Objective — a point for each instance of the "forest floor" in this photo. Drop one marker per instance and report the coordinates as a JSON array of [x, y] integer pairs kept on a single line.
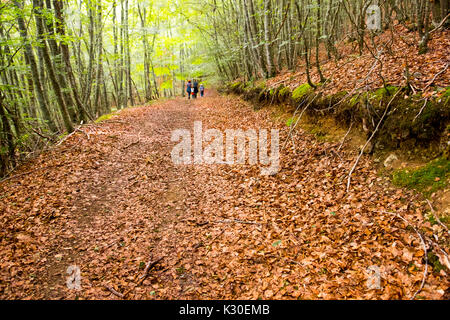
[[110, 201], [395, 50]]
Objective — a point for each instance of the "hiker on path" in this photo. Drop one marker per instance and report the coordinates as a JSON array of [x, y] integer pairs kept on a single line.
[[189, 89], [202, 90], [195, 88]]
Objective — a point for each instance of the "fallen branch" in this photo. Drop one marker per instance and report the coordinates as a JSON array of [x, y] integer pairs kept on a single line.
[[198, 245], [133, 143], [298, 119], [28, 172], [440, 24], [368, 140], [148, 267], [336, 153], [113, 291], [436, 217], [343, 139], [435, 76], [421, 109], [77, 129], [445, 260], [349, 94], [66, 137], [238, 221], [87, 134], [43, 136], [424, 249], [201, 244]]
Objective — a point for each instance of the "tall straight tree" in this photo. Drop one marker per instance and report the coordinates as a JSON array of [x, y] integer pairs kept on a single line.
[[37, 9], [268, 40], [38, 88], [82, 114], [98, 82], [57, 58]]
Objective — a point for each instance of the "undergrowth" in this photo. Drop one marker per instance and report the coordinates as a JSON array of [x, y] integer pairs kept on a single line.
[[427, 179], [105, 117]]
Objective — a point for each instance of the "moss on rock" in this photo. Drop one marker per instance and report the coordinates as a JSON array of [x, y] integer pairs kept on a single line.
[[300, 92], [409, 125], [237, 87], [384, 92], [284, 92], [105, 117], [427, 179]]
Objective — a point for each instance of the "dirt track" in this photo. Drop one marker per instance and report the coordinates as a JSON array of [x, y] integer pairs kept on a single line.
[[110, 201]]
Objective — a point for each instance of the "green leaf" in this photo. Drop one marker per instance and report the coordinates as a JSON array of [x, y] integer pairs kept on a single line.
[[276, 243], [289, 121]]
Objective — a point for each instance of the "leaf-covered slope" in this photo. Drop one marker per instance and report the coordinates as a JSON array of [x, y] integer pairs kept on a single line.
[[110, 201]]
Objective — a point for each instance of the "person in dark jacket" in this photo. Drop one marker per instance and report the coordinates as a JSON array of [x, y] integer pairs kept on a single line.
[[189, 89], [195, 89]]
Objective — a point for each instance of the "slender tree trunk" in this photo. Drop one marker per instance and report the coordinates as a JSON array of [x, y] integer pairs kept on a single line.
[[56, 55], [60, 29], [267, 39], [253, 35], [37, 8], [122, 79], [128, 56], [424, 26], [307, 63], [34, 71], [87, 87], [116, 78], [8, 137], [318, 35], [98, 82]]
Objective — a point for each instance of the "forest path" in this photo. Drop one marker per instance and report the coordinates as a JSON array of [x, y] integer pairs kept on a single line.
[[110, 201]]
